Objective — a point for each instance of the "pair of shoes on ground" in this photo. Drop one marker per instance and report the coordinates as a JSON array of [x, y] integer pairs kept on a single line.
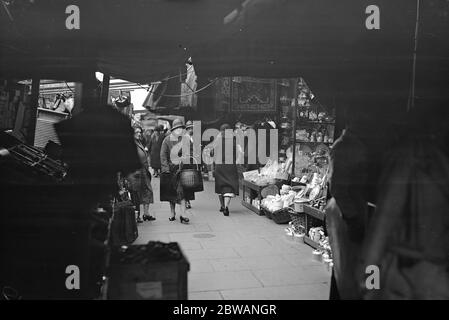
[[181, 218], [225, 211]]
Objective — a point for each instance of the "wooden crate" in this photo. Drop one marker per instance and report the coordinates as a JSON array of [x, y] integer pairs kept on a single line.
[[159, 280], [253, 190]]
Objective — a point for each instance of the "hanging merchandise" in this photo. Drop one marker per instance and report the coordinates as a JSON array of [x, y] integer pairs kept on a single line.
[[188, 88], [122, 101], [253, 95]]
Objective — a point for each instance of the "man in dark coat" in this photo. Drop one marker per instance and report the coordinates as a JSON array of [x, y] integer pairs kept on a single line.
[[154, 147], [353, 184]]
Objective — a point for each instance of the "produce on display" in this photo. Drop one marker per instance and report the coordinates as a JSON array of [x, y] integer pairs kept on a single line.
[[269, 174]]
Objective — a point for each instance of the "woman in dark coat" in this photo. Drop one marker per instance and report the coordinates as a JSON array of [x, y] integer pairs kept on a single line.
[[154, 147], [170, 188], [226, 175], [140, 181]]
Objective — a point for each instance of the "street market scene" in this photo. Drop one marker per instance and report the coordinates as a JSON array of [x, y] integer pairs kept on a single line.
[[224, 150]]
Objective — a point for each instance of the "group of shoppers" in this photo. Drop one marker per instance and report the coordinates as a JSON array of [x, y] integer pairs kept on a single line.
[[163, 153]]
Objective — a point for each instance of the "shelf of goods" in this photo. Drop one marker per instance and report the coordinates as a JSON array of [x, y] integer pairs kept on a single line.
[[312, 128], [285, 111], [307, 227], [314, 142], [303, 122], [314, 212], [313, 218], [251, 192]]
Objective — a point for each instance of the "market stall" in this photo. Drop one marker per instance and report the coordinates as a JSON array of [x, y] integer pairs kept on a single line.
[[294, 189], [366, 67]]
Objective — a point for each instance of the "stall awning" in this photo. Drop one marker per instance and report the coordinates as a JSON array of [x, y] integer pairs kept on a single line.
[[324, 41]]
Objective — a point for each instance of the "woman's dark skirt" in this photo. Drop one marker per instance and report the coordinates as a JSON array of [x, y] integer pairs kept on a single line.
[[171, 190], [226, 179], [140, 187]]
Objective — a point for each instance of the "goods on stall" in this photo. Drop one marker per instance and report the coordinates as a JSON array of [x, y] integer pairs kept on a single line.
[[323, 253], [281, 216], [313, 190], [270, 190], [298, 222], [251, 175], [299, 204], [256, 203], [269, 174], [285, 189], [316, 234], [277, 202], [278, 206], [293, 234], [289, 234]]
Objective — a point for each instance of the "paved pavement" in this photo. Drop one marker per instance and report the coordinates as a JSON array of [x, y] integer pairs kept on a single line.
[[240, 257]]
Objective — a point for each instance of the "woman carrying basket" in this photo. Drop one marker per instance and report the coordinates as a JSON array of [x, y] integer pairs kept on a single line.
[[172, 159]]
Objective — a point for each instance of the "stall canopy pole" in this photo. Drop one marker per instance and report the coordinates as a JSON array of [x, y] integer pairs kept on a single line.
[[34, 103], [295, 108], [90, 96], [77, 108], [105, 89], [411, 102]]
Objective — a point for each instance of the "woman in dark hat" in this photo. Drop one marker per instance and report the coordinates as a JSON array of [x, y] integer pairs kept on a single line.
[[171, 158], [140, 180], [154, 148], [226, 175]]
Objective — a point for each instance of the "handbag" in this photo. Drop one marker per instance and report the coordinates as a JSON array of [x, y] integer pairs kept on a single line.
[[124, 227]]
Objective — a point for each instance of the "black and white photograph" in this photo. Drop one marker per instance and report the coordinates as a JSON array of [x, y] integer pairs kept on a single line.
[[226, 155]]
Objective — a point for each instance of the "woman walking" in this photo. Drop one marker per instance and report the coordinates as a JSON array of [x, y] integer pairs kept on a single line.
[[226, 175], [140, 181], [171, 189], [154, 147], [189, 134]]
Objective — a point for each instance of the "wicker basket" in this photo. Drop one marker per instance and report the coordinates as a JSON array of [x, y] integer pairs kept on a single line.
[[298, 221], [281, 216], [191, 178]]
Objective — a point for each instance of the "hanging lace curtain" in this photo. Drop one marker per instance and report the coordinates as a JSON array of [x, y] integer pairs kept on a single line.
[[188, 87]]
